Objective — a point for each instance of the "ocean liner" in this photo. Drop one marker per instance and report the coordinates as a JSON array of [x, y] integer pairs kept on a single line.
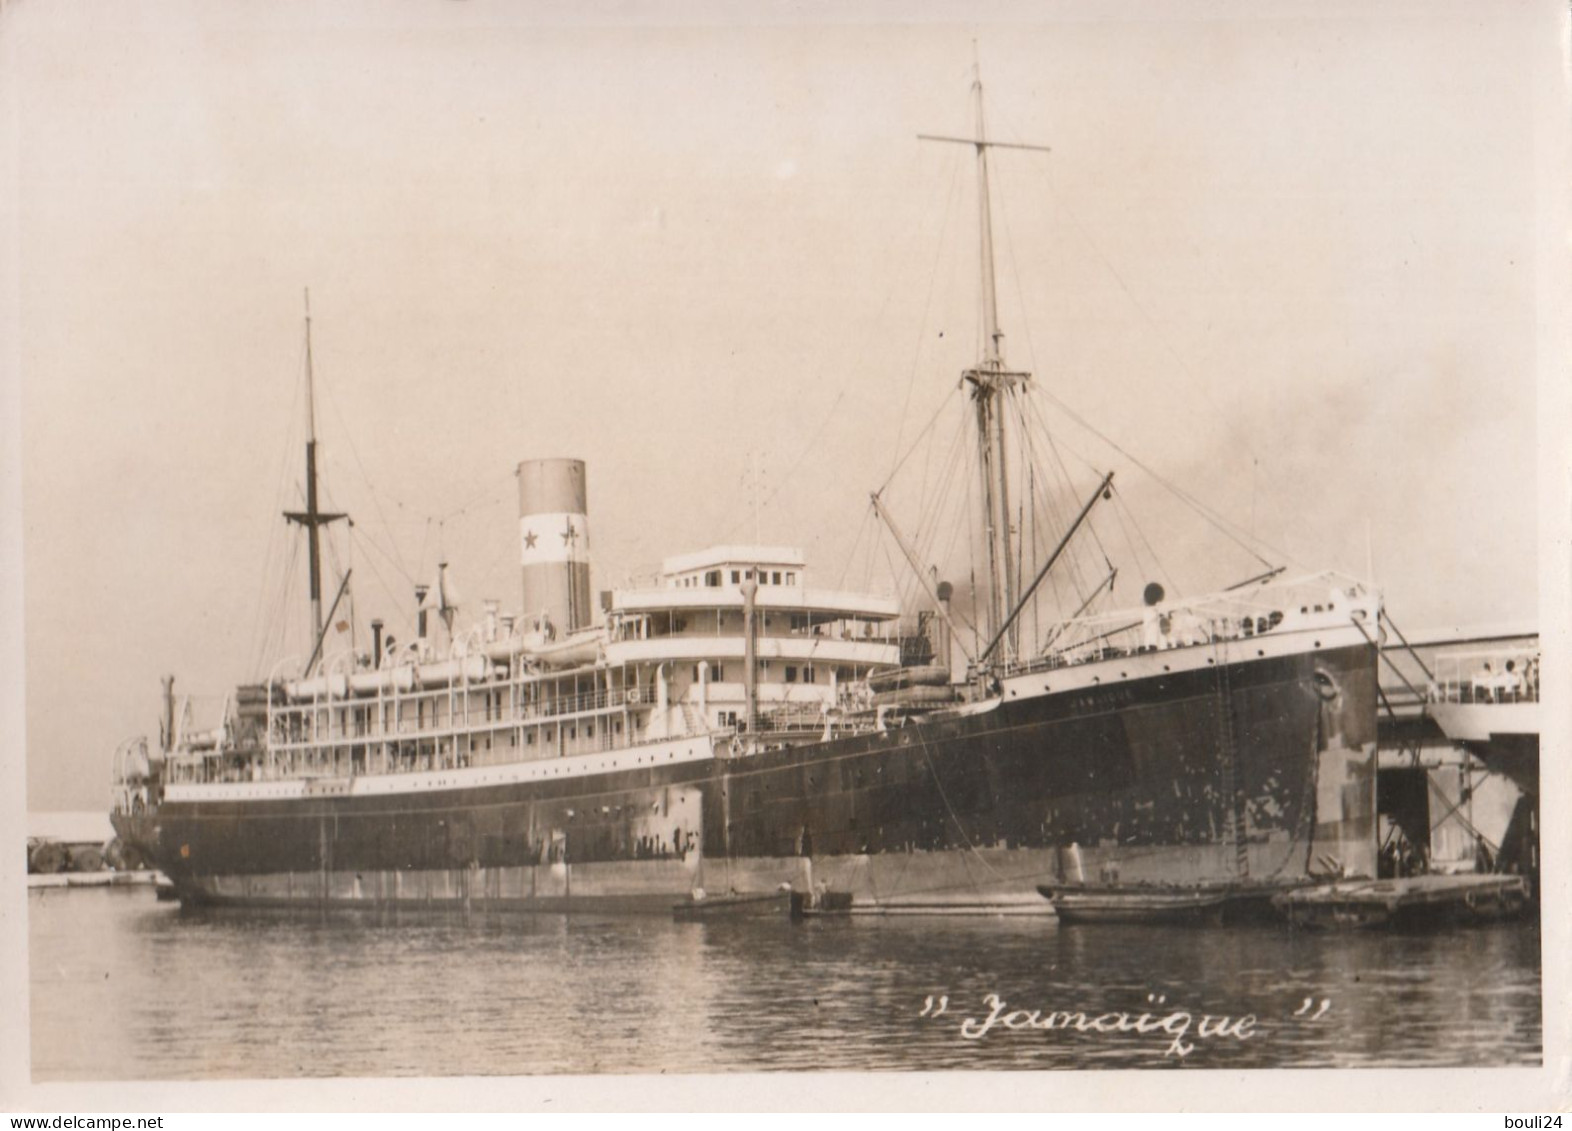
[[730, 729]]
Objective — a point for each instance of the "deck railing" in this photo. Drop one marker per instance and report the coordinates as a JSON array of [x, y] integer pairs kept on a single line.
[[1492, 677], [1233, 615]]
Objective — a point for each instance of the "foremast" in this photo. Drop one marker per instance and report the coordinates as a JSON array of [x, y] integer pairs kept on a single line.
[[993, 385], [313, 518]]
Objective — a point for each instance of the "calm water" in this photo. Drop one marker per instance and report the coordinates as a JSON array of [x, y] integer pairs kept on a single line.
[[126, 987]]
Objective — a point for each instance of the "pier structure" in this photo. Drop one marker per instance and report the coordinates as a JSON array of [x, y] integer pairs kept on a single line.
[[1458, 764]]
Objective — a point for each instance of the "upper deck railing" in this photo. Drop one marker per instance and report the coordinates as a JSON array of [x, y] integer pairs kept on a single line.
[[1500, 675], [1232, 615]]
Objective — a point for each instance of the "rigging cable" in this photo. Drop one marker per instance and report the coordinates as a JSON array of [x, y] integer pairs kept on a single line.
[[1026, 405], [1231, 530], [393, 599], [1200, 508], [791, 471], [1055, 519], [1122, 512], [915, 443], [355, 453], [260, 628], [274, 643], [933, 275], [1167, 345], [851, 557], [1027, 408]]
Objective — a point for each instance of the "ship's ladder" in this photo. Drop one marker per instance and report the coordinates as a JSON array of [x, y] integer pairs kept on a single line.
[[1228, 751]]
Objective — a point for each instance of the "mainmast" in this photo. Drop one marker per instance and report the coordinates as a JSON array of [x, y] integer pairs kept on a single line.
[[312, 518], [993, 383]]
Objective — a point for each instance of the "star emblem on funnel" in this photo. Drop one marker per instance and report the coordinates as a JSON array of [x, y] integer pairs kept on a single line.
[[529, 539]]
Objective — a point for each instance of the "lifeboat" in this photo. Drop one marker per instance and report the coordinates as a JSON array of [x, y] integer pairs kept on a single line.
[[896, 679], [917, 695], [571, 651], [403, 678]]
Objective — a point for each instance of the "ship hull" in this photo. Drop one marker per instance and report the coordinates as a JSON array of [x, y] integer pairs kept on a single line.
[[1260, 769]]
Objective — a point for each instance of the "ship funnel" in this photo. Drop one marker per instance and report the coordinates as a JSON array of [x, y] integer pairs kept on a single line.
[[554, 541]]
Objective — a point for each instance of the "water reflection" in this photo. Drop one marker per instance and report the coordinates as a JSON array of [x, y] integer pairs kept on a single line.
[[125, 987]]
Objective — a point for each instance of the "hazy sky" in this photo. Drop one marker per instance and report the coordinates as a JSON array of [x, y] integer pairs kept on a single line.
[[1292, 255]]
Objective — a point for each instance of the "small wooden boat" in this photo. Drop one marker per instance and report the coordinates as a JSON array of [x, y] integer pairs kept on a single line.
[[806, 905], [1218, 902], [773, 904], [1135, 903]]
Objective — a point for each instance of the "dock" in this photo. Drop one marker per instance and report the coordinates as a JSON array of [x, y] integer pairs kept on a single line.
[[100, 879], [1414, 901]]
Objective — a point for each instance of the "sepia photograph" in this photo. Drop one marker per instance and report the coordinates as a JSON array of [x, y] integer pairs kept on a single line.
[[656, 554]]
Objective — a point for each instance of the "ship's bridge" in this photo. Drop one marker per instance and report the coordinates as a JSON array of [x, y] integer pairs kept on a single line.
[[718, 566], [698, 602]]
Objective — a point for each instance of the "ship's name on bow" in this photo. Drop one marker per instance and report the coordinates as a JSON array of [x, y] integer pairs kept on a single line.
[[1103, 699]]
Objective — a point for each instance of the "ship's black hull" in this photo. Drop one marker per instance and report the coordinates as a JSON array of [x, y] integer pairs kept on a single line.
[[1262, 769]]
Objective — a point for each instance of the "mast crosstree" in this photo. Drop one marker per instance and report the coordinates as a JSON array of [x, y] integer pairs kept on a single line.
[[313, 518], [993, 383]]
